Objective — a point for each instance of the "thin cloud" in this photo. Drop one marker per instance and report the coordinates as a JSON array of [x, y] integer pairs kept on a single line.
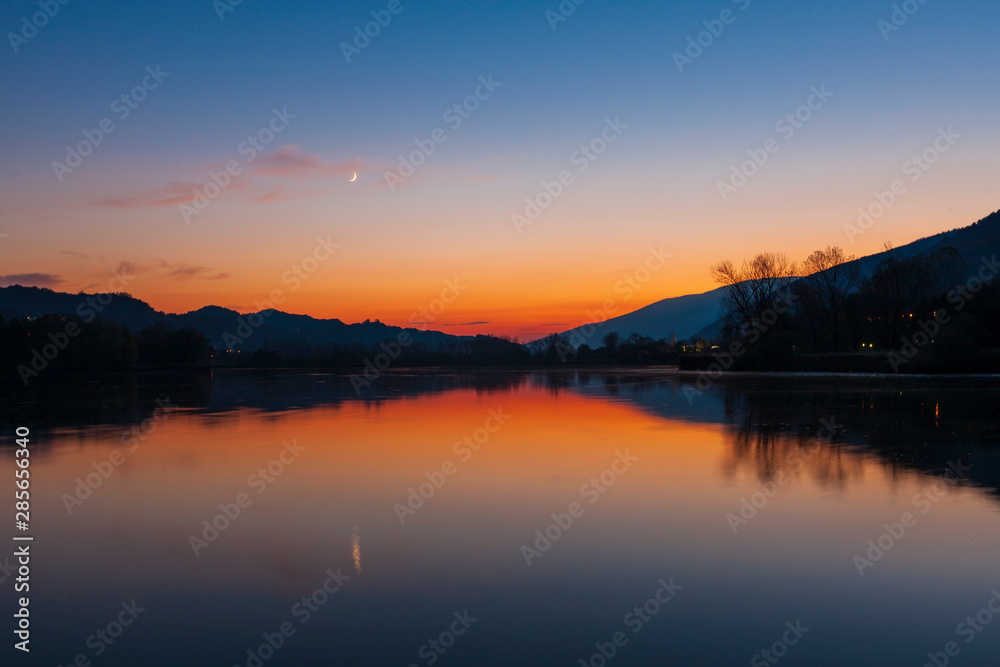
[[170, 195], [292, 162], [275, 195], [463, 324], [127, 267], [280, 193], [289, 165], [181, 271], [31, 279]]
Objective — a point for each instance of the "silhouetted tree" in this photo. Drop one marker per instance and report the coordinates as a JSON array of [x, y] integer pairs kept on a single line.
[[752, 289], [611, 341], [830, 277], [899, 287], [161, 344]]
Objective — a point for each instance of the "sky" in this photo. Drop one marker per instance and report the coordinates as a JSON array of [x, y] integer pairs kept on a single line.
[[587, 138]]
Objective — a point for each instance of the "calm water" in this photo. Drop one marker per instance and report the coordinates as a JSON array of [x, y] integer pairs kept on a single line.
[[648, 483]]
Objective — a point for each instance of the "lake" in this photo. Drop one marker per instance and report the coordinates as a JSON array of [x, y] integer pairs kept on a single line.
[[512, 518]]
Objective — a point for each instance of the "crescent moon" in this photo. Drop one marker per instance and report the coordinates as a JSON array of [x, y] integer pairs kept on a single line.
[[354, 178]]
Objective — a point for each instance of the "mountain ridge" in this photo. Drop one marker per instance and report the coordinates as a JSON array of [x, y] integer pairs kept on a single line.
[[224, 327], [693, 316]]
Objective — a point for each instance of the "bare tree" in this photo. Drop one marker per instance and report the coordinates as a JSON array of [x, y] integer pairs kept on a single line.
[[753, 288], [831, 276]]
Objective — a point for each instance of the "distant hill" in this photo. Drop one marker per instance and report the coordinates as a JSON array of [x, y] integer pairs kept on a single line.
[[18, 301], [697, 316], [974, 241], [684, 316], [213, 321]]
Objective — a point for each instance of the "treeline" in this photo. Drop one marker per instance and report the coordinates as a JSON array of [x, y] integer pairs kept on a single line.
[[634, 349], [925, 313], [554, 350], [69, 344], [479, 351], [30, 347]]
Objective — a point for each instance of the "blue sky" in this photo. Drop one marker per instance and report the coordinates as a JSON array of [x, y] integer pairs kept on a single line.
[[606, 60]]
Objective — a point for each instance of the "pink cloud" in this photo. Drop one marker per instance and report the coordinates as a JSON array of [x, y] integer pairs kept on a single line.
[[291, 162], [288, 164]]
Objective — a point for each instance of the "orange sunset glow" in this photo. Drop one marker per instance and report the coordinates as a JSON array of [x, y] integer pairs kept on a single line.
[[527, 285]]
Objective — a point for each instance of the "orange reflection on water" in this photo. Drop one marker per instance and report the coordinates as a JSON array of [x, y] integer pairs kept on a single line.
[[483, 493]]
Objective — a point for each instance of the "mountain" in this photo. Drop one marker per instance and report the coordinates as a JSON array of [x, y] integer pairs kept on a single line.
[[697, 316], [225, 328], [684, 316], [17, 301], [973, 242], [274, 325]]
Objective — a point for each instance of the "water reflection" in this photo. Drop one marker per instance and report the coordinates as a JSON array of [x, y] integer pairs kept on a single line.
[[855, 453], [356, 550]]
